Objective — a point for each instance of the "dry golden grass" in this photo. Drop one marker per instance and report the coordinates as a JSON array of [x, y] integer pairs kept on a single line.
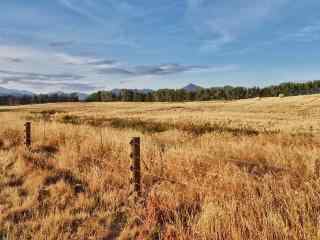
[[213, 170]]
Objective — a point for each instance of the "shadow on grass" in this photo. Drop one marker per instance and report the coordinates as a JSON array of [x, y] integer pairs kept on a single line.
[[146, 126]]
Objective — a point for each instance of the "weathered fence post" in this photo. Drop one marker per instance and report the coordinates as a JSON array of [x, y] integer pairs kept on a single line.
[[28, 134], [135, 167], [317, 168]]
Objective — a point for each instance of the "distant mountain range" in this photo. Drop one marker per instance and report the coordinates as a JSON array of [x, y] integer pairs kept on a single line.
[[83, 96], [14, 92], [19, 93]]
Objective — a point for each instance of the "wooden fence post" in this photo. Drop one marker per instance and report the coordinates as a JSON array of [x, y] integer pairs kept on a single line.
[[28, 134], [135, 167], [317, 168]]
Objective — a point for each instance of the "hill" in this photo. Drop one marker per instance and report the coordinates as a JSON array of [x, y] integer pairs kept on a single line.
[[192, 88]]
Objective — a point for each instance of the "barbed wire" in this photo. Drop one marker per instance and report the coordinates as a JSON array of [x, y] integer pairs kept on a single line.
[[169, 179]]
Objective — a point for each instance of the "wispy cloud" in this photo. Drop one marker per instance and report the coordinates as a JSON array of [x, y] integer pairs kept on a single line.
[[306, 34], [47, 70], [221, 23], [87, 72], [164, 69], [12, 59], [45, 81], [101, 62], [43, 85], [112, 20], [114, 67], [81, 7], [77, 60], [117, 11], [61, 43], [41, 76]]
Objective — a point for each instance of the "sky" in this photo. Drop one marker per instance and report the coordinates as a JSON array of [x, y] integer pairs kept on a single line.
[[89, 45]]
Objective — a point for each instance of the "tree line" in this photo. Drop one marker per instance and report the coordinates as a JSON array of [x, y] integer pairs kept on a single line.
[[206, 94], [38, 98], [172, 95]]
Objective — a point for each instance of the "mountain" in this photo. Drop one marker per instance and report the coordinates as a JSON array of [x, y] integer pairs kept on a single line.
[[192, 88], [14, 92]]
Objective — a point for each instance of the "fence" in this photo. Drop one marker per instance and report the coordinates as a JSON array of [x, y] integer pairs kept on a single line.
[[135, 156], [135, 168]]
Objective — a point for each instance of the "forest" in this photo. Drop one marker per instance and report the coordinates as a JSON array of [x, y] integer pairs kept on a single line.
[[172, 95], [207, 94]]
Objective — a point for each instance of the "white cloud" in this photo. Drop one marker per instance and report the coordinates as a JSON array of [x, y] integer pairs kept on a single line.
[[73, 60], [30, 68]]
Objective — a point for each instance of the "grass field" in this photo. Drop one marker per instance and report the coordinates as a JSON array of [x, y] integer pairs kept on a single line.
[[212, 170]]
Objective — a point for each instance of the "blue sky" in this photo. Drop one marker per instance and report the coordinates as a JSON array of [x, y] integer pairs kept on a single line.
[[85, 45]]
